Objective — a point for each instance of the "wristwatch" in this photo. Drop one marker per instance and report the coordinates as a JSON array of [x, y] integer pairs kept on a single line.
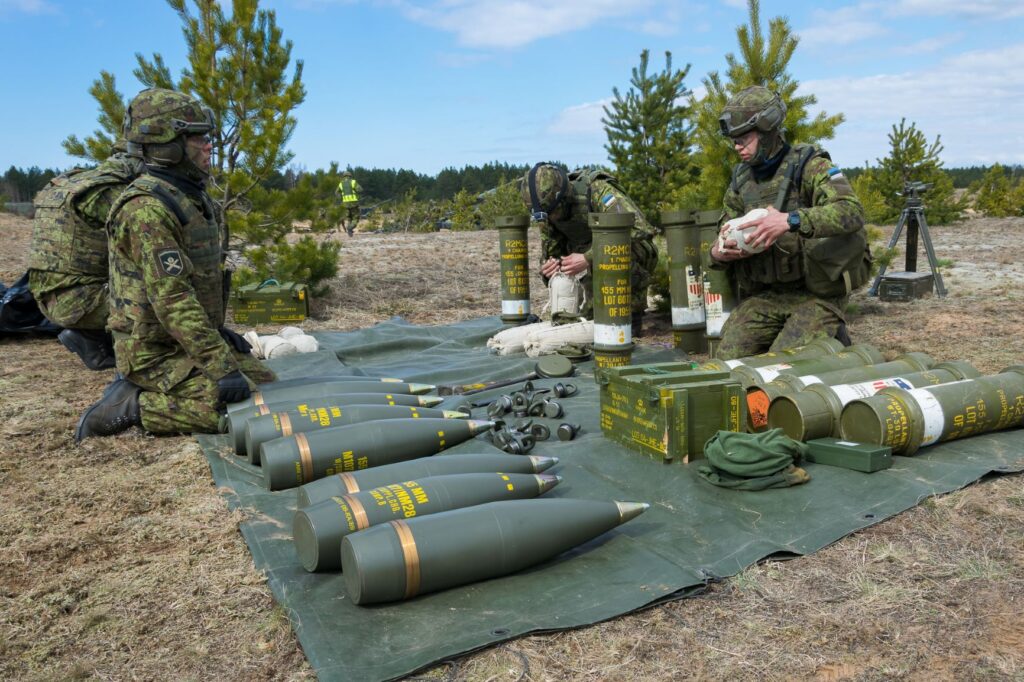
[[794, 221]]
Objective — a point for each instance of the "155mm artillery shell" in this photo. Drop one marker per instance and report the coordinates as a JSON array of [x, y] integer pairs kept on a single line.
[[319, 529], [319, 379], [815, 349], [281, 424], [304, 457], [441, 465], [906, 420], [854, 356], [324, 388], [401, 559]]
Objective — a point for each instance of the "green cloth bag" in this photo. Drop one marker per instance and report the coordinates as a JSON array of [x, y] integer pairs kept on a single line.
[[753, 461]]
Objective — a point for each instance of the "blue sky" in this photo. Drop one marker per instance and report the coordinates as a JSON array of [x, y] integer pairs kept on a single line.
[[425, 84]]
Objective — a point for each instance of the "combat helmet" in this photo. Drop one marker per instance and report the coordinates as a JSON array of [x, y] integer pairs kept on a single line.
[[159, 119], [755, 108], [543, 189]]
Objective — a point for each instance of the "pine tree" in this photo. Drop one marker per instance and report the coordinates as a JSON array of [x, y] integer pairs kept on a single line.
[[994, 194], [762, 61], [100, 144], [649, 135]]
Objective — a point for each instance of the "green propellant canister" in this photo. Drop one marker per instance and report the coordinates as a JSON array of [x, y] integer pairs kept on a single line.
[[514, 252], [304, 457], [441, 465], [719, 291], [401, 559], [854, 356], [234, 422], [815, 411], [281, 424], [686, 287], [906, 420], [323, 388], [760, 397], [318, 529], [815, 349], [612, 262]]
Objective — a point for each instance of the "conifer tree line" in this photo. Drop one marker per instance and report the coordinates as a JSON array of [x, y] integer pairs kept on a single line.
[[663, 143]]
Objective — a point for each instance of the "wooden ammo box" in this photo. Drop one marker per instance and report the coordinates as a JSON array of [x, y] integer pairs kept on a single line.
[[270, 303], [667, 411], [905, 286]]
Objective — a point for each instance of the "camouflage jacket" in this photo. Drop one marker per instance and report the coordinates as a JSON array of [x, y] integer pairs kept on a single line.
[[166, 284], [593, 191]]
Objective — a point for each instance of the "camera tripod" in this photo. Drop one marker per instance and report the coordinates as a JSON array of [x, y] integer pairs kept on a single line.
[[912, 217]]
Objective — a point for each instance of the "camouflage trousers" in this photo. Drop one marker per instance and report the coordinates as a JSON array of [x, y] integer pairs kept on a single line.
[[76, 307], [349, 217], [191, 406], [773, 321], [644, 261]]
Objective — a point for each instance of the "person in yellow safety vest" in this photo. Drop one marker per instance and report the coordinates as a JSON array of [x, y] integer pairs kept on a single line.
[[349, 190]]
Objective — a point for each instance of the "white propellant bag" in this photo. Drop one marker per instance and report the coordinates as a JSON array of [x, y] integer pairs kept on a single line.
[[547, 341], [510, 341], [732, 231], [566, 294], [288, 341]]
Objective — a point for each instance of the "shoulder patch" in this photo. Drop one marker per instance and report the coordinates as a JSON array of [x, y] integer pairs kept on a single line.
[[607, 200], [835, 174], [170, 262]]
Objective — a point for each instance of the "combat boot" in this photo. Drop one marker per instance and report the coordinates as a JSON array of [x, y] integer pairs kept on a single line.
[[94, 347], [118, 410]]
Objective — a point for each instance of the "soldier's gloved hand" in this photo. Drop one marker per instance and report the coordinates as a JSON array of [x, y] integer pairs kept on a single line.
[[235, 340], [232, 388]]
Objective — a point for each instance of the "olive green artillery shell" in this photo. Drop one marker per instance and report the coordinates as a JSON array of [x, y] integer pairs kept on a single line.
[[304, 457], [323, 378], [317, 530], [686, 288], [514, 254], [281, 424], [401, 559], [846, 455], [815, 411], [906, 420], [671, 420], [815, 349], [441, 465], [324, 388], [613, 256], [854, 356], [759, 398], [234, 423], [719, 293]]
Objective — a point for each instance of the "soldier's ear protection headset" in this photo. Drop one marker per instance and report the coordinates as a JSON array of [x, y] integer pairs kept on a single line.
[[538, 212], [170, 153], [770, 118]]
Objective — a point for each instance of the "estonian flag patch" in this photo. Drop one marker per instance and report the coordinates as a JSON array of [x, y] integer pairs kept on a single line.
[[608, 200], [835, 174]]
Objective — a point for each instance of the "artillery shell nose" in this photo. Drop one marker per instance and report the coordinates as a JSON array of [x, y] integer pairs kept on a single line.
[[417, 389], [631, 510], [430, 400]]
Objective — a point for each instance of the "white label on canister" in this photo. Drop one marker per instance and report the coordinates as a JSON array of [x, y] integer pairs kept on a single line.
[[809, 379], [515, 307], [849, 392], [770, 372], [695, 291], [613, 334], [687, 315], [934, 420], [733, 364]]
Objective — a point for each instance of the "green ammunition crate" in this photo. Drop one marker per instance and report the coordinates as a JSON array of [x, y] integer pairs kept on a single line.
[[846, 454], [669, 421], [905, 286], [270, 303], [655, 369]]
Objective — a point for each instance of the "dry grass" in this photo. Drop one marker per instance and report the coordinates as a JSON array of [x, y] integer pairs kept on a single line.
[[121, 561]]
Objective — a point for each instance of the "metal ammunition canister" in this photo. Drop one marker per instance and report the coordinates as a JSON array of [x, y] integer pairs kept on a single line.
[[686, 286], [281, 424], [719, 293], [441, 465], [318, 529], [514, 254], [234, 422], [304, 457], [320, 389], [759, 397], [815, 349], [854, 356], [907, 420], [401, 559], [612, 263], [815, 411]]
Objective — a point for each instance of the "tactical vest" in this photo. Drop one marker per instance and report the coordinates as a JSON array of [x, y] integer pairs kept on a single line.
[[347, 187], [62, 239], [827, 266], [202, 240], [577, 227]]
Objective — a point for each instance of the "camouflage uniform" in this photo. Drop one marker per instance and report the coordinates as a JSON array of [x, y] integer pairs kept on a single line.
[[349, 190], [167, 304], [68, 257], [778, 309], [596, 191]]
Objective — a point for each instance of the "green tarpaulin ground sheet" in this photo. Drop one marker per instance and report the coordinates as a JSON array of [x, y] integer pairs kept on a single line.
[[692, 533]]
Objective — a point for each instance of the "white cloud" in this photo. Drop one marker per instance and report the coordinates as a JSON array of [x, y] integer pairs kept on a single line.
[[843, 26], [580, 119], [971, 99], [929, 45], [978, 9], [26, 7], [738, 4]]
